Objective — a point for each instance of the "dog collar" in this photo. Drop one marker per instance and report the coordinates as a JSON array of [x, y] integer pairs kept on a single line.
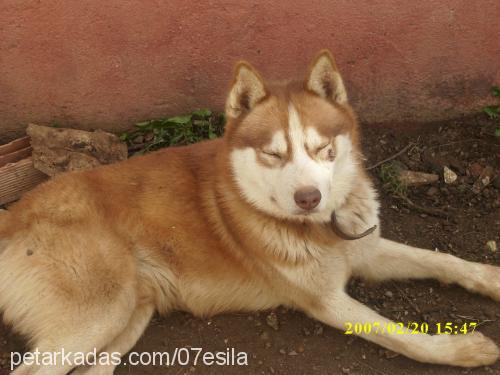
[[347, 236]]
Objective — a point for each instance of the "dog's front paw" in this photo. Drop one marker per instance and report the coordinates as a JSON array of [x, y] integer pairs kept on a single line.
[[489, 283], [472, 350]]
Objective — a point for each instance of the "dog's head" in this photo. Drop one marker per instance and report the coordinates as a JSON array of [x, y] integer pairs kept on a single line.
[[293, 147]]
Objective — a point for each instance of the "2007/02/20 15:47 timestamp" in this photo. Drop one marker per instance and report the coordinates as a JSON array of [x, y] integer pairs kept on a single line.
[[410, 328]]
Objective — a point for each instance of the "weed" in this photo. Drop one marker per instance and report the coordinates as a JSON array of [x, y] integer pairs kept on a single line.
[[493, 111], [172, 131], [389, 175]]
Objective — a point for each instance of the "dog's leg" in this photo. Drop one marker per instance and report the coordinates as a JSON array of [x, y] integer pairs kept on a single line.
[[123, 342], [458, 350], [392, 260], [81, 337]]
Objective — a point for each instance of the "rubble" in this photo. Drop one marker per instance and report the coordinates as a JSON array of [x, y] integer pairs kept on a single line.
[[57, 150], [449, 176], [492, 246], [484, 179]]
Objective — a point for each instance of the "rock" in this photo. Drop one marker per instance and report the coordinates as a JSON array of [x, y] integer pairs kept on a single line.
[[293, 353], [388, 294], [57, 150], [272, 321], [492, 246], [318, 330], [484, 179], [449, 176], [412, 178]]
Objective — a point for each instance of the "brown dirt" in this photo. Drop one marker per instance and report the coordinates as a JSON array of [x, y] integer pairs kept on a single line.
[[302, 346]]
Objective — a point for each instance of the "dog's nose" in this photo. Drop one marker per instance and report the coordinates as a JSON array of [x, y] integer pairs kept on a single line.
[[307, 198]]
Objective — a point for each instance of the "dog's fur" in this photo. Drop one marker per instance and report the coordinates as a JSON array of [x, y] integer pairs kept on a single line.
[[88, 257]]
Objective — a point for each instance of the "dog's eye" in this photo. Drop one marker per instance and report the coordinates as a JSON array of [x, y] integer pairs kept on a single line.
[[272, 154]]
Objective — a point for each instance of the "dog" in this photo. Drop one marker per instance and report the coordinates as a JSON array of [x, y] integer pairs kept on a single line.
[[279, 211]]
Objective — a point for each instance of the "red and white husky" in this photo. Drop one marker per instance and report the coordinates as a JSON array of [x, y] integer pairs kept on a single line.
[[239, 223]]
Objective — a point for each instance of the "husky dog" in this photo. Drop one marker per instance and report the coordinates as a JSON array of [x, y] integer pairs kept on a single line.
[[265, 216]]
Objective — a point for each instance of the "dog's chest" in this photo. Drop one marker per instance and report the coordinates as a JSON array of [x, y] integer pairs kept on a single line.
[[303, 263]]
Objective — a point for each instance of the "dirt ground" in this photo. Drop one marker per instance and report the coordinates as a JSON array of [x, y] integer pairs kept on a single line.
[[288, 342]]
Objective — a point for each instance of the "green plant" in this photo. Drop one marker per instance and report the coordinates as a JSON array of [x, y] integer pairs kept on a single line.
[[178, 130], [493, 111], [389, 175]]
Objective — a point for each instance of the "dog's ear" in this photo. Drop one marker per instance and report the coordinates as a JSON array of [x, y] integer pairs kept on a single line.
[[246, 91], [324, 78]]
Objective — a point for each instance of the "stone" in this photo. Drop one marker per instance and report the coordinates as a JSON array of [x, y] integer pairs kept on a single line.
[[492, 246], [57, 150], [484, 179], [449, 176]]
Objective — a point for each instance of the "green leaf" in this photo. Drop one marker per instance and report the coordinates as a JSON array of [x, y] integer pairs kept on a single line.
[[143, 124], [497, 133], [492, 111], [180, 119], [495, 90]]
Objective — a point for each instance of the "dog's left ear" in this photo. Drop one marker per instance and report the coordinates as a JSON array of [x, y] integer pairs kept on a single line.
[[246, 90], [324, 78]]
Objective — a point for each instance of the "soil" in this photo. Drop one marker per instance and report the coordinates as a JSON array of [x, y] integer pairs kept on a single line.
[[288, 342]]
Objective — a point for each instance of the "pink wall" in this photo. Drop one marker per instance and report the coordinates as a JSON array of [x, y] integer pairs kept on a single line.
[[97, 63]]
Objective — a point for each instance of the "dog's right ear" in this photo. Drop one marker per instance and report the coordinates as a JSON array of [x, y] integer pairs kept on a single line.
[[246, 91]]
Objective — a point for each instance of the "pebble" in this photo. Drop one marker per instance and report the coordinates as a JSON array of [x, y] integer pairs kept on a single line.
[[272, 321], [318, 330], [449, 176], [487, 175], [388, 293], [492, 246]]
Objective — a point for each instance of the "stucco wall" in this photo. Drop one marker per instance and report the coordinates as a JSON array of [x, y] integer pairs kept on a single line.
[[106, 64]]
